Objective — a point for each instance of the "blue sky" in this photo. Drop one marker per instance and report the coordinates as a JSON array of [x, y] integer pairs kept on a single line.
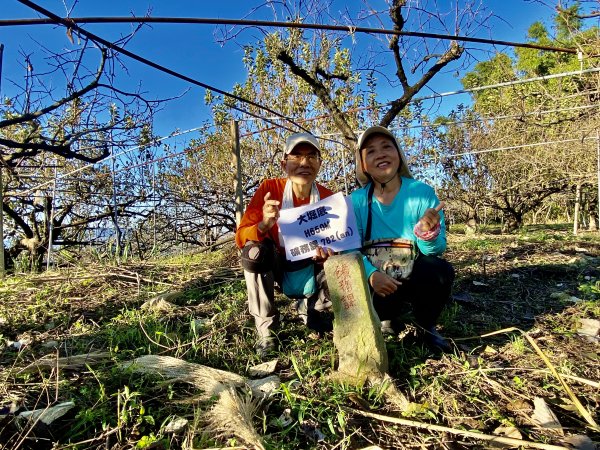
[[192, 50]]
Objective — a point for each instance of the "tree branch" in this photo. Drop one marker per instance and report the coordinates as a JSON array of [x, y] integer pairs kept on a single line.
[[321, 92], [330, 76], [398, 19], [59, 148], [34, 115], [27, 231], [453, 53]]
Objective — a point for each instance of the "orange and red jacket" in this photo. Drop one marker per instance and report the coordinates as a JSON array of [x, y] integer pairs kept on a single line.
[[248, 229]]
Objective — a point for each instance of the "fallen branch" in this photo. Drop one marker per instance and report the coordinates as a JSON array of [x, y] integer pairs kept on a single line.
[[592, 383], [124, 277], [584, 412], [432, 427], [75, 362], [472, 434], [150, 339], [137, 279], [103, 435], [67, 278]]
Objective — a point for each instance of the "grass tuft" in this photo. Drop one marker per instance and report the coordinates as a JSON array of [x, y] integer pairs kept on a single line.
[[526, 280]]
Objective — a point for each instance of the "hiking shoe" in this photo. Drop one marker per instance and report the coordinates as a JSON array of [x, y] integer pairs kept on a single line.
[[319, 321], [265, 346], [435, 341], [387, 329], [392, 327]]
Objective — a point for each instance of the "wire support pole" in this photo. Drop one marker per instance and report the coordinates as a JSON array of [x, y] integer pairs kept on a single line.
[[51, 222], [114, 200], [344, 170], [2, 266], [350, 29], [237, 165], [2, 270], [154, 197], [598, 159]]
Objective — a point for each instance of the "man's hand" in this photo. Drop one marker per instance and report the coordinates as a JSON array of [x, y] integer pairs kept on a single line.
[[431, 218], [383, 284], [322, 254], [270, 214]]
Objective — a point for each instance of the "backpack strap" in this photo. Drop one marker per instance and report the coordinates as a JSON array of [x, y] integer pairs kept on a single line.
[[369, 214]]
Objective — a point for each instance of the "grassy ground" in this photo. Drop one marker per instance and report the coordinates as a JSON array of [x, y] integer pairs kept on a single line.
[[524, 281]]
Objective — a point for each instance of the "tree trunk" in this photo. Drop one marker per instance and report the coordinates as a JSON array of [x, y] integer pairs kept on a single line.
[[472, 221], [513, 221], [577, 206], [36, 256], [534, 216], [592, 209], [593, 225]]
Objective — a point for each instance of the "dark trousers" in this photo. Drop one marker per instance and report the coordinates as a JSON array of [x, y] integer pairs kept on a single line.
[[427, 290]]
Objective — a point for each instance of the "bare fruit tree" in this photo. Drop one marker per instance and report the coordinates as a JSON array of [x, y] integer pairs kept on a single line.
[[402, 61], [68, 112]]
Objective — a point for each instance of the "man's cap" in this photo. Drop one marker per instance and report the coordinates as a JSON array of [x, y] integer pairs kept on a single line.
[[363, 177], [300, 138]]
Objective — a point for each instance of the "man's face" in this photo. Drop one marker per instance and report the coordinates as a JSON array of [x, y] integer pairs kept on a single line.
[[380, 158], [302, 164]]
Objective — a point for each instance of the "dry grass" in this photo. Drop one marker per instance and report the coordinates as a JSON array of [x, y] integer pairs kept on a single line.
[[490, 382]]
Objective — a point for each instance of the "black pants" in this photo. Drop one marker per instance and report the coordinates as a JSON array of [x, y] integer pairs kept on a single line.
[[427, 290]]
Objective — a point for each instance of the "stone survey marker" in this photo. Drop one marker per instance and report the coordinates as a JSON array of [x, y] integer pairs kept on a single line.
[[356, 327]]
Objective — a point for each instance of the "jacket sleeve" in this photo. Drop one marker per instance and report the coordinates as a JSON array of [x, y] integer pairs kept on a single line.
[[248, 228]]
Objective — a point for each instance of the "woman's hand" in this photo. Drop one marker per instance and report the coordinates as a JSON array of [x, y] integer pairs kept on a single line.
[[430, 219], [383, 284]]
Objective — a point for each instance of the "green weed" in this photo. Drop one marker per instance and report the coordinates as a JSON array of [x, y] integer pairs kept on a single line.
[[590, 289], [210, 325], [518, 344]]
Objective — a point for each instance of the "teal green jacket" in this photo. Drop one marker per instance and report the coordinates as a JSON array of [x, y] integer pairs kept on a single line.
[[398, 219]]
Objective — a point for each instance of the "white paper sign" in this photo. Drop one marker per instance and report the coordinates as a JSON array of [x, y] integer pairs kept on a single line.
[[327, 223]]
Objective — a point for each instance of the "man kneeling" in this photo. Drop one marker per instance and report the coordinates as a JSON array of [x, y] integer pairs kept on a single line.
[[263, 254]]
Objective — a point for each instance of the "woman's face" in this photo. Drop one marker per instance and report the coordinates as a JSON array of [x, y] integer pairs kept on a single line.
[[380, 157]]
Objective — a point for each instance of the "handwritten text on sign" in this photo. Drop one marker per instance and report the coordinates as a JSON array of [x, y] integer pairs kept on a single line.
[[327, 223]]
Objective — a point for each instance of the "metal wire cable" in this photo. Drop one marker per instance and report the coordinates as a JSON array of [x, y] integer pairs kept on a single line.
[[71, 25], [351, 29], [517, 147]]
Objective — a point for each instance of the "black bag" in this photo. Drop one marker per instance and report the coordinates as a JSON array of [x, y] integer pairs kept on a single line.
[[258, 257]]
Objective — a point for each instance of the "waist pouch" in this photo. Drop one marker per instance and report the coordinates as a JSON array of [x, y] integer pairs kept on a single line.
[[294, 266], [299, 278], [394, 257]]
